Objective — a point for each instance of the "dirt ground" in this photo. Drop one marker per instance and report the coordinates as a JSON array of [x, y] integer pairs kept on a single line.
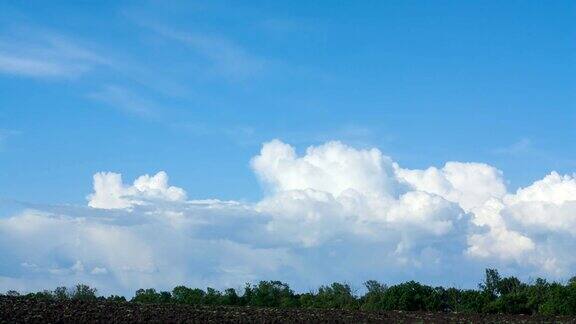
[[27, 310]]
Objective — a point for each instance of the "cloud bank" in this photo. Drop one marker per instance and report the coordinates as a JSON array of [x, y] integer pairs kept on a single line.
[[333, 213]]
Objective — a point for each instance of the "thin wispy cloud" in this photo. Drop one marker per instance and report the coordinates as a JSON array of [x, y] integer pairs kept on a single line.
[[227, 58], [41, 54], [34, 67], [4, 135], [125, 100], [250, 135], [36, 52], [242, 135], [527, 148], [524, 145]]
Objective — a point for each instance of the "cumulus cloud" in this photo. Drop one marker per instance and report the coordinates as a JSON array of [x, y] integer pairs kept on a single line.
[[468, 184], [332, 213], [332, 168], [111, 193], [534, 226], [336, 190]]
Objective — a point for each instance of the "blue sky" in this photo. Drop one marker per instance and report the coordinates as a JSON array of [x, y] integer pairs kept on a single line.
[[424, 81], [195, 89]]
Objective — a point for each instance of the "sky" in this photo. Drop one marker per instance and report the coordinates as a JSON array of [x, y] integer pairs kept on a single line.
[[208, 143]]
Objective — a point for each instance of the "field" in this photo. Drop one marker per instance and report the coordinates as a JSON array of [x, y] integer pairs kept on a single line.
[[29, 310]]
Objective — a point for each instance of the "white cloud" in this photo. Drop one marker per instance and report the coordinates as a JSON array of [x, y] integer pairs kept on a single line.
[[469, 184], [335, 190], [554, 189], [333, 213], [111, 193], [500, 243], [332, 168]]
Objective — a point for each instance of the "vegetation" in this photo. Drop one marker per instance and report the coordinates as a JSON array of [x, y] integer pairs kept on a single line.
[[494, 295], [80, 292]]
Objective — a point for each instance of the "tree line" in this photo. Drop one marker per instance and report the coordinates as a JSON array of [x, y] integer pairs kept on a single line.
[[495, 294]]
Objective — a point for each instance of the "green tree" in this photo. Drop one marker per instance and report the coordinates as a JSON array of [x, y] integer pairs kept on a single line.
[[12, 293], [491, 283], [509, 285], [150, 296], [471, 301], [83, 292], [61, 293], [42, 295], [185, 295], [116, 298], [410, 296], [374, 297], [270, 294], [560, 300], [230, 297], [212, 297], [337, 295], [537, 293]]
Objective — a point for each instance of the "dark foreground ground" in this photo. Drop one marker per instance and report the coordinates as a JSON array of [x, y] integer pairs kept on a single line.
[[26, 310]]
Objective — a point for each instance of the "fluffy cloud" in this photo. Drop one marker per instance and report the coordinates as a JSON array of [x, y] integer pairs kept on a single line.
[[333, 213], [110, 192], [332, 168], [468, 184], [336, 191]]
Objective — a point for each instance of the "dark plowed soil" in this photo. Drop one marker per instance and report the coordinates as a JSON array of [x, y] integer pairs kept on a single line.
[[27, 310]]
